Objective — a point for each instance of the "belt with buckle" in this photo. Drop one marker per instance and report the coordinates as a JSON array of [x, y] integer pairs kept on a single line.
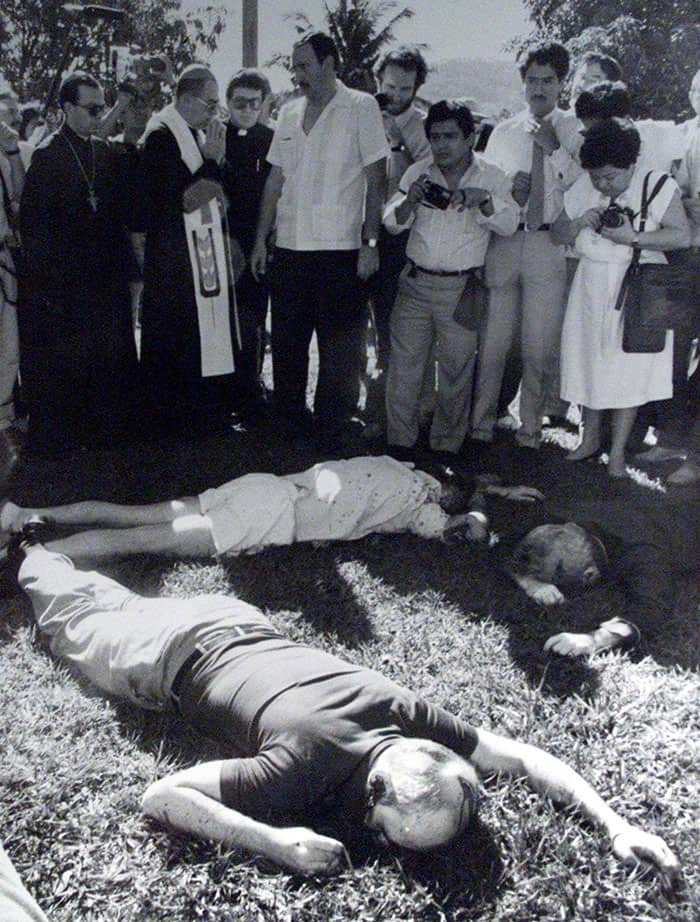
[[443, 273], [528, 227]]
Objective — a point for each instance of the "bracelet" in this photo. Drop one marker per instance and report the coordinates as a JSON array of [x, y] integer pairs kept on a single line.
[[11, 153]]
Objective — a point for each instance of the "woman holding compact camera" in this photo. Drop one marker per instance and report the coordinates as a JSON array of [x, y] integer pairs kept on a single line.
[[601, 217]]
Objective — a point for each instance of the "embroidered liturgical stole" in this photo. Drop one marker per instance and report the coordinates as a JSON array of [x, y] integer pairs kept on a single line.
[[213, 286]]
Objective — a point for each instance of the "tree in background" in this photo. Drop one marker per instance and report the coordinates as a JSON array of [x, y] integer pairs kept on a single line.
[[357, 30], [656, 41], [33, 36]]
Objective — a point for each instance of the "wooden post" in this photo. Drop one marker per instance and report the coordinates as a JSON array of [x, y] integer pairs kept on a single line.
[[250, 33]]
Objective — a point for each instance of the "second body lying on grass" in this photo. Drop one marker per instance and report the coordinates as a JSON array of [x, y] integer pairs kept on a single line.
[[645, 550], [310, 731]]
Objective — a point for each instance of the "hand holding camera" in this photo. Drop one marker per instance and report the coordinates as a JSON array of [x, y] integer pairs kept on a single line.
[[616, 224]]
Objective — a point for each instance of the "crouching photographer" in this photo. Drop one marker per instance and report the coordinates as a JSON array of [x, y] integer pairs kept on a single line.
[[451, 202]]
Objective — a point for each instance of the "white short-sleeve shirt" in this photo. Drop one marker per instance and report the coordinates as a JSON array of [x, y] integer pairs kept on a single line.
[[321, 206]]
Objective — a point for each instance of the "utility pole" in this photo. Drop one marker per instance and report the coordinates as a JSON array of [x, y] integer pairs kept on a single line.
[[250, 33]]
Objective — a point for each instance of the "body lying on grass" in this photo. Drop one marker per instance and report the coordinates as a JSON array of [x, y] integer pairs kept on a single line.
[[311, 732], [345, 500], [644, 548]]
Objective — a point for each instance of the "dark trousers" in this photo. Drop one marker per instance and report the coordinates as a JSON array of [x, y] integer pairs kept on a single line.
[[317, 291], [251, 299]]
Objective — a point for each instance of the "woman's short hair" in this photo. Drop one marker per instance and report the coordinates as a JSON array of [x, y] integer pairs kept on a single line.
[[70, 86], [604, 100], [551, 54], [408, 58], [609, 65], [610, 142], [450, 110], [250, 79]]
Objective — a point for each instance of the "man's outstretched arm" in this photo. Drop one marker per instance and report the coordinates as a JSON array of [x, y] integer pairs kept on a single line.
[[553, 778], [190, 801]]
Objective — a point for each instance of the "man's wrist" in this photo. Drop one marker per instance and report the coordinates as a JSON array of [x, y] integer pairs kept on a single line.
[[369, 241]]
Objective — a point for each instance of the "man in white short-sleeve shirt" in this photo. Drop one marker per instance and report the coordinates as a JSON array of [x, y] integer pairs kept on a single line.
[[324, 196]]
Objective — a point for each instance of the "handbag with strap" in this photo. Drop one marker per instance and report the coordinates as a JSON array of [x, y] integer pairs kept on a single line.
[[646, 293]]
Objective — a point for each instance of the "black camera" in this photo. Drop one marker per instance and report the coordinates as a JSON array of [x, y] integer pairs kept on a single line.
[[614, 216], [436, 196]]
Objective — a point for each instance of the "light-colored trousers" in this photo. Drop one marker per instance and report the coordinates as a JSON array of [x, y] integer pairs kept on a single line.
[[526, 275], [423, 315]]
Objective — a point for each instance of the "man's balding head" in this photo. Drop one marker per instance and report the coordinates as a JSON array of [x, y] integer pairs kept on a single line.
[[560, 554], [420, 794]]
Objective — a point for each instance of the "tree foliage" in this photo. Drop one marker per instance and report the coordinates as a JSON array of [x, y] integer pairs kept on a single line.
[[656, 41], [360, 30], [34, 36]]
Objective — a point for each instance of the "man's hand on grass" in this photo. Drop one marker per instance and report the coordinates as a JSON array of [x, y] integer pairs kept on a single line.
[[306, 852], [570, 644], [634, 846]]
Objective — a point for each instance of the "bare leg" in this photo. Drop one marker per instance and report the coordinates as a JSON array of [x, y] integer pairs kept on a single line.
[[95, 512], [622, 422], [187, 536], [590, 443]]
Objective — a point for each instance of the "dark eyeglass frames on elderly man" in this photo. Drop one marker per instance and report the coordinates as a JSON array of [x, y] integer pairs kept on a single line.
[[94, 109]]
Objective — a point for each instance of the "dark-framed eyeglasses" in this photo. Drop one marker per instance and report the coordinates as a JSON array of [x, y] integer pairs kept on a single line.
[[93, 109], [238, 102]]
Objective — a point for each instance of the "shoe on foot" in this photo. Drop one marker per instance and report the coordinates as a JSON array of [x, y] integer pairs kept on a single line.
[[582, 453], [658, 454]]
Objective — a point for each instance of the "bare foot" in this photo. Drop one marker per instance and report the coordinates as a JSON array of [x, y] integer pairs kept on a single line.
[[686, 474]]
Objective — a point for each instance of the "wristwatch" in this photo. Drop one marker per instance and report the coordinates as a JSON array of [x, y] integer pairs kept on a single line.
[[370, 242]]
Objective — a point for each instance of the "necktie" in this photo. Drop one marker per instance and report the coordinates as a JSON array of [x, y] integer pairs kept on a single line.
[[535, 204]]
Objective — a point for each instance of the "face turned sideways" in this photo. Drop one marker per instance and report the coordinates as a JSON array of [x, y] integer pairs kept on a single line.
[[84, 115], [420, 795]]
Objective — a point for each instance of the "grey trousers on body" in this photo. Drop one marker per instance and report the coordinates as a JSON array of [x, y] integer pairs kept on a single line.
[[526, 276], [423, 315]]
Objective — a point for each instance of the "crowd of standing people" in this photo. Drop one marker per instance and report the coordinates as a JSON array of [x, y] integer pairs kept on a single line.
[[484, 273]]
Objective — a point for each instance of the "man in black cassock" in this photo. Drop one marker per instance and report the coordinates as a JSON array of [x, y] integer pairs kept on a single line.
[[245, 171], [77, 349], [184, 143]]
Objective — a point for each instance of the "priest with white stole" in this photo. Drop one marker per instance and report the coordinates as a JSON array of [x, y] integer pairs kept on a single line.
[[189, 323]]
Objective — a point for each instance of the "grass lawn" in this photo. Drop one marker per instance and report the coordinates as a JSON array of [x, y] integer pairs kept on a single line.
[[442, 620]]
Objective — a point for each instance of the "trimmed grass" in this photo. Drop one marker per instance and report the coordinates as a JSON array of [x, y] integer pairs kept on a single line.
[[442, 620]]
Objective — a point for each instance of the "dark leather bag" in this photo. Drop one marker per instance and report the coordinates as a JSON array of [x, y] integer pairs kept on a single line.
[[472, 303], [648, 292]]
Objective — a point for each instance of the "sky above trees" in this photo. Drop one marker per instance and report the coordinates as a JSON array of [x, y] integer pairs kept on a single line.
[[452, 29]]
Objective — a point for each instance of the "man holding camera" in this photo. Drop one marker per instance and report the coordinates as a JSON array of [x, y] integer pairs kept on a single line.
[[451, 203]]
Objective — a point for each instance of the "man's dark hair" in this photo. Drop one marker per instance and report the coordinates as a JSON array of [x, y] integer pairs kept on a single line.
[[408, 58], [192, 80], [609, 65], [322, 44], [70, 86], [250, 79], [551, 54], [611, 142], [604, 100], [450, 110]]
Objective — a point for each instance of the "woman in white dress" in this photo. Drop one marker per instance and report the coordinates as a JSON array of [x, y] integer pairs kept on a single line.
[[595, 371]]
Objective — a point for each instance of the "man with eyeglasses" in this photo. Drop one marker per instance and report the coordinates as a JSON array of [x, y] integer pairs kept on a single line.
[[245, 172], [309, 734], [77, 350], [187, 345]]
